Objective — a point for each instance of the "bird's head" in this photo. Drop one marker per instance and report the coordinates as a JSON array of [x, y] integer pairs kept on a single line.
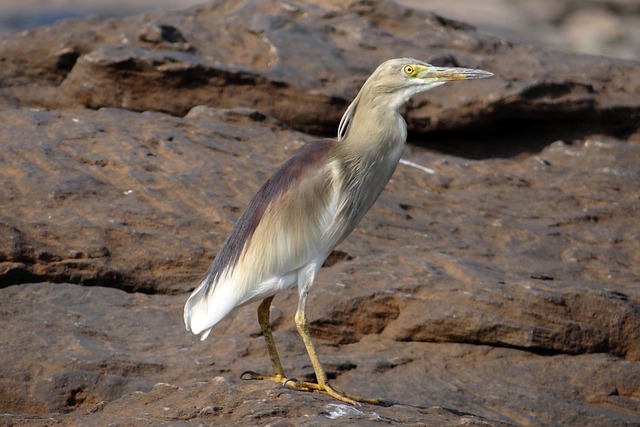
[[403, 77], [397, 80]]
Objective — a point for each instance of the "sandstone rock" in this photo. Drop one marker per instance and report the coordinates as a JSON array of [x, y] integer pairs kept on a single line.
[[502, 285], [103, 197], [302, 63], [474, 257], [602, 27], [97, 354]]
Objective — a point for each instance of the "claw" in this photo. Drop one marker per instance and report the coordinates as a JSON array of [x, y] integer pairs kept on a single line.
[[286, 380], [252, 375]]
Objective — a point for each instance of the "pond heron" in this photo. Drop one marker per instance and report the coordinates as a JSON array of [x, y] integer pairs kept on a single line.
[[309, 205]]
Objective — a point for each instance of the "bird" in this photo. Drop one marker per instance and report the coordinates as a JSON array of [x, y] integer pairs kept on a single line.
[[310, 204]]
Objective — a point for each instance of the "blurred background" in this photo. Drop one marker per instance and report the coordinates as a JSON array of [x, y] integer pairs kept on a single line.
[[599, 27]]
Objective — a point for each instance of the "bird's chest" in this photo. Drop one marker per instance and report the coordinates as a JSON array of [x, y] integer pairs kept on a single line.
[[365, 182], [379, 171]]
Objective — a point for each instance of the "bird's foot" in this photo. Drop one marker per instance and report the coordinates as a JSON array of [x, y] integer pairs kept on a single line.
[[308, 386], [279, 378], [333, 392]]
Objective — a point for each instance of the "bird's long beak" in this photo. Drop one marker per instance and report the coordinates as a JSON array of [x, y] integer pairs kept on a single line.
[[444, 74]]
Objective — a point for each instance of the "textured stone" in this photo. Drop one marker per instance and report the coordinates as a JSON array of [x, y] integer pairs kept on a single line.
[[303, 62], [495, 277], [91, 354]]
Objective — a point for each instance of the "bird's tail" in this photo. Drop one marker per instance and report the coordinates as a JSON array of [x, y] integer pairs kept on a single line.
[[205, 308], [196, 312]]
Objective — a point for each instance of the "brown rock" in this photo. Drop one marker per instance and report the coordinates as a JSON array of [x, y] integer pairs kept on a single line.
[[603, 27], [300, 64], [116, 198], [87, 346], [503, 287]]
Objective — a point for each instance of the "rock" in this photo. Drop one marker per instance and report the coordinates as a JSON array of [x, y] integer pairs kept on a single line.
[[550, 23], [96, 194], [497, 277], [480, 261], [98, 354], [603, 27], [301, 64]]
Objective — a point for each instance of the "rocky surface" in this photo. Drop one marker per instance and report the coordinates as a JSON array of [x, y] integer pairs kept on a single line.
[[599, 27], [313, 58], [503, 288]]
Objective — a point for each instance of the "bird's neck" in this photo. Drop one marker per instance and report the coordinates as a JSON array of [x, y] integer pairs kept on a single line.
[[371, 150], [367, 157], [376, 133]]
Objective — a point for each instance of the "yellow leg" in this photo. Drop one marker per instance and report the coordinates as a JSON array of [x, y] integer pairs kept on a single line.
[[278, 373], [323, 383], [263, 319]]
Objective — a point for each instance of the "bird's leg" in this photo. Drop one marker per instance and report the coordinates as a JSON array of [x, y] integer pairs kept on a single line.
[[321, 376], [263, 319], [278, 373]]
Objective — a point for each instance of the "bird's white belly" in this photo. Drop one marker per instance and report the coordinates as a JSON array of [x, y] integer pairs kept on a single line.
[[270, 287]]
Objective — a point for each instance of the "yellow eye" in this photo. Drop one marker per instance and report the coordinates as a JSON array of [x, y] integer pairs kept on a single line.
[[408, 70]]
